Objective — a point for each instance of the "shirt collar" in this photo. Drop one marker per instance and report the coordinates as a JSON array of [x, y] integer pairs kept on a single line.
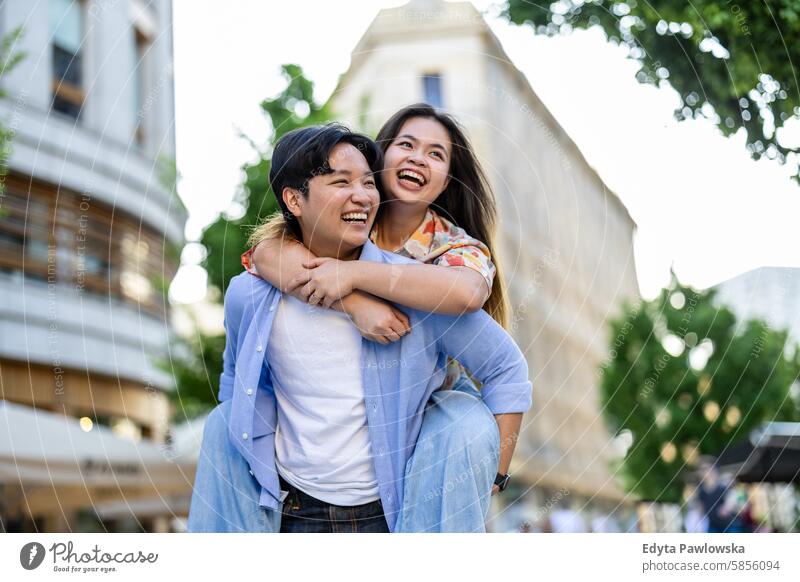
[[423, 236], [371, 252]]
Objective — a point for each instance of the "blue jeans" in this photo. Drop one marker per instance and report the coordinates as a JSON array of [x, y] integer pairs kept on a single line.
[[302, 513], [447, 485]]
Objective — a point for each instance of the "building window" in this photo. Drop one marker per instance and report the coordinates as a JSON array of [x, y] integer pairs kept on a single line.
[[432, 89], [144, 30], [140, 83], [55, 235], [66, 28]]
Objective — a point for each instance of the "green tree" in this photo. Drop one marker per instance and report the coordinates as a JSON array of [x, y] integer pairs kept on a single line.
[[730, 61], [226, 239], [686, 380], [197, 370], [9, 59]]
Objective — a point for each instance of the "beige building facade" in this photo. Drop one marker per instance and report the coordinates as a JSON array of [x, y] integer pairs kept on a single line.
[[565, 240]]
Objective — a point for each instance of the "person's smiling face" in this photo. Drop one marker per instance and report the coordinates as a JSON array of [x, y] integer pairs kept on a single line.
[[337, 213], [417, 162]]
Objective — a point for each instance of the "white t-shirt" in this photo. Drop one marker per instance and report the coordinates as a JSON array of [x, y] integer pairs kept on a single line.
[[322, 442]]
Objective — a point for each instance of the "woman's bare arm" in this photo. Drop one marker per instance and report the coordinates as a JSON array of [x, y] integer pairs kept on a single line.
[[279, 260], [432, 288]]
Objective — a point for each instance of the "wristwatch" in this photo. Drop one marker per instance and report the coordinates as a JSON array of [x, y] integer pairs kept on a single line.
[[502, 481]]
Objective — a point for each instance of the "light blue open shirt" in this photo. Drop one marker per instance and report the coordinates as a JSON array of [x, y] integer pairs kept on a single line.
[[398, 379]]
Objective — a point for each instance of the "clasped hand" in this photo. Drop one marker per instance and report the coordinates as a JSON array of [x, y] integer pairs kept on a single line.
[[324, 281]]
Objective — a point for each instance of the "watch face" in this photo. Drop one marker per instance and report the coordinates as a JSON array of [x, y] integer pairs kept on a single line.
[[502, 481]]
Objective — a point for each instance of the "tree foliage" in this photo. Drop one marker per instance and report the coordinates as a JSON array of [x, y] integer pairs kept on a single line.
[[730, 61], [686, 379], [226, 239], [10, 57], [197, 372]]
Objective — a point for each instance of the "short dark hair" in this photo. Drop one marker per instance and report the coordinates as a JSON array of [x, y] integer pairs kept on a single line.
[[303, 153]]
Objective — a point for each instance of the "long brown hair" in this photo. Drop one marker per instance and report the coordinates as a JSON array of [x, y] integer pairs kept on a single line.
[[468, 200]]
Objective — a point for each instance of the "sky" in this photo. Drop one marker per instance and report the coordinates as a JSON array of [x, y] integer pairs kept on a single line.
[[702, 206]]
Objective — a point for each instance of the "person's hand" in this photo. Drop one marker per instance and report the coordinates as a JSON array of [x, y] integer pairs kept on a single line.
[[324, 281], [379, 321]]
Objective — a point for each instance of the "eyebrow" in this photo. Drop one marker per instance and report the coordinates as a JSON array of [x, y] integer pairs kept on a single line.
[[411, 137], [335, 172]]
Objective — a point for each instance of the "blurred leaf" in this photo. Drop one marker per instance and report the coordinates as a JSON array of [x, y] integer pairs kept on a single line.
[[650, 387], [733, 62]]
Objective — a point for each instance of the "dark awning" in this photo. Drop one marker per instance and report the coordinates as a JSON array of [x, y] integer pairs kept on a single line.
[[770, 455]]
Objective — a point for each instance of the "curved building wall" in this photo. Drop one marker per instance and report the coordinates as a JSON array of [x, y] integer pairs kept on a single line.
[[90, 227]]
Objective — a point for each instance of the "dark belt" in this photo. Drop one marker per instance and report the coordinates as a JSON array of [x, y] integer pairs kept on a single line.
[[296, 495]]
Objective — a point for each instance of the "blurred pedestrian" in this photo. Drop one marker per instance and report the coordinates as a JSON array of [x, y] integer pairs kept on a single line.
[[695, 520], [712, 494]]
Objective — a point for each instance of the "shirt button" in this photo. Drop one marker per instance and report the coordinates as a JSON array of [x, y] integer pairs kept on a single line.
[[259, 348], [244, 435], [249, 391], [272, 308], [251, 471], [374, 406]]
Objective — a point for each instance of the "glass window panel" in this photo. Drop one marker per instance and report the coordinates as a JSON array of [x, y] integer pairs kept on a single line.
[[38, 249], [66, 24], [432, 89], [11, 242], [93, 264], [66, 107], [66, 66]]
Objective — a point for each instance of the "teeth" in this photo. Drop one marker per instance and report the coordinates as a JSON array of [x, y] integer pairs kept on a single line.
[[355, 216], [413, 175]]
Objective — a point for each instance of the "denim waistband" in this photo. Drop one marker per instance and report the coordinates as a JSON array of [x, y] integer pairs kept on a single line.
[[300, 494]]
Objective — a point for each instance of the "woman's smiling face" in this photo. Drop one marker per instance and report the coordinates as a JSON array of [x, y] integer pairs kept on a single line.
[[417, 162]]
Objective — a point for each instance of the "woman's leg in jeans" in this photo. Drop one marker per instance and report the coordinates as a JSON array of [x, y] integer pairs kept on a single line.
[[226, 494], [466, 385], [449, 477]]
